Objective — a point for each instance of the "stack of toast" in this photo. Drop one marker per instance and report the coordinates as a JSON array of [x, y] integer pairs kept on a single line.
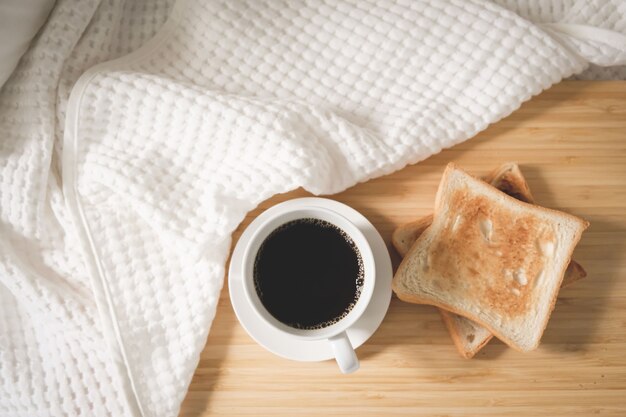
[[489, 258]]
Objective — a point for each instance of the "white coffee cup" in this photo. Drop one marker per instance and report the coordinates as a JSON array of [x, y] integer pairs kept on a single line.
[[335, 333]]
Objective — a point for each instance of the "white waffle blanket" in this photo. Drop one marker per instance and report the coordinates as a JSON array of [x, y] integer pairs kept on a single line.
[[117, 202]]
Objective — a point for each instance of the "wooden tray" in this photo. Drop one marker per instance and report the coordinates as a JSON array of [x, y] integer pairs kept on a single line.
[[571, 144]]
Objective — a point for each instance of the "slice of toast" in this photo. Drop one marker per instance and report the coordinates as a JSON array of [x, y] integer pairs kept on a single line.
[[491, 258], [470, 337]]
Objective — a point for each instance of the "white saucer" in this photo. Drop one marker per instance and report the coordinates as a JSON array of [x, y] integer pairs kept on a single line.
[[318, 350]]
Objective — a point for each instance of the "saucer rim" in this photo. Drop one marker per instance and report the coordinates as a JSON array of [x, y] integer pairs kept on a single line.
[[296, 349]]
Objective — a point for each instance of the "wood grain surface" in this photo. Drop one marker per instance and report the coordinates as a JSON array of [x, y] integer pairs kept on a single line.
[[571, 145]]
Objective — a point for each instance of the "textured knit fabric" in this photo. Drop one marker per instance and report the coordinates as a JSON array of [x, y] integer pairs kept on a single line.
[[117, 203]]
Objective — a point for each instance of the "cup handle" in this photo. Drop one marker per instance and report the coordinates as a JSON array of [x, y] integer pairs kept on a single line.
[[344, 353]]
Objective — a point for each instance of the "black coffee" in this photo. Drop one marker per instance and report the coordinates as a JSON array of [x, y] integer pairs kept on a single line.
[[308, 273]]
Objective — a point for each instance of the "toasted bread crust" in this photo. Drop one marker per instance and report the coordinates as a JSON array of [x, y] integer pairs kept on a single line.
[[404, 236], [509, 177], [412, 298], [457, 337], [573, 273]]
